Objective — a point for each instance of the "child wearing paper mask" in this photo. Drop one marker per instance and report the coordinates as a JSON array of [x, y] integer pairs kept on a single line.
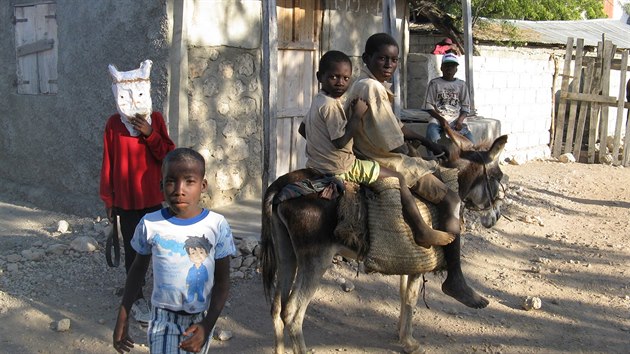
[[135, 142]]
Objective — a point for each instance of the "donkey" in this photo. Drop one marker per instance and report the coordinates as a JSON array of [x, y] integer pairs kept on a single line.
[[298, 240]]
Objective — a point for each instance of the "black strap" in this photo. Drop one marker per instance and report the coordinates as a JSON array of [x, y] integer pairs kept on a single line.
[[113, 242]]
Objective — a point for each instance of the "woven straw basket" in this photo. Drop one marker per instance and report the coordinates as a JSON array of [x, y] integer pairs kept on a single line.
[[392, 247]]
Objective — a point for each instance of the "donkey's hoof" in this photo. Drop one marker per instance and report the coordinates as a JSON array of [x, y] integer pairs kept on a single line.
[[410, 346]]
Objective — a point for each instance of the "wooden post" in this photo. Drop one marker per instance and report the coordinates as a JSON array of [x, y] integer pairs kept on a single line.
[[389, 27], [566, 73], [588, 79], [574, 87], [270, 90], [404, 48], [594, 111], [621, 100], [552, 129], [626, 145], [468, 48], [176, 110], [609, 50]]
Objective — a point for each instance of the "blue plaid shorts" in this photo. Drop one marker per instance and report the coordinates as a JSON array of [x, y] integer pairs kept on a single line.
[[166, 331]]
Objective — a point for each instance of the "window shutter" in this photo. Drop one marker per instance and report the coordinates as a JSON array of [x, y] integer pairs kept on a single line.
[[47, 59], [36, 49]]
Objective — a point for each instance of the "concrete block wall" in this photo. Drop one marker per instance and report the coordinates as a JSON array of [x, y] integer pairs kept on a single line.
[[515, 91], [423, 43]]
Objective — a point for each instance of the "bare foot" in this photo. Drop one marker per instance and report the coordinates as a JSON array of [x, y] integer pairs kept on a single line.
[[430, 237], [457, 288]]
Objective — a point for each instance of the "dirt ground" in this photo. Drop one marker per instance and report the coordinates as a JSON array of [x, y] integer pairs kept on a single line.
[[565, 239]]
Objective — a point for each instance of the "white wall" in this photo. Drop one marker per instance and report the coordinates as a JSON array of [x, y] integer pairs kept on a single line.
[[224, 22], [511, 84], [517, 92]]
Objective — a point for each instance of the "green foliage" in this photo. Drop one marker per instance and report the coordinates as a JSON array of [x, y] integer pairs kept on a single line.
[[534, 10]]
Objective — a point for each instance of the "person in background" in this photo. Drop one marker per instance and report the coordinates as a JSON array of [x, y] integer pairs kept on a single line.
[[445, 46], [447, 101], [134, 143]]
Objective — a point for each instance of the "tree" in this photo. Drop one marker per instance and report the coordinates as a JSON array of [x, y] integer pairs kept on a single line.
[[533, 10], [446, 15], [541, 10]]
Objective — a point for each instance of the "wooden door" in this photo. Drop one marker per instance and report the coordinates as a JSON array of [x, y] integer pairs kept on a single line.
[[299, 26]]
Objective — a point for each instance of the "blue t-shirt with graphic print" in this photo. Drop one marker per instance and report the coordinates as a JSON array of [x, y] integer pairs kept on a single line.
[[183, 254]]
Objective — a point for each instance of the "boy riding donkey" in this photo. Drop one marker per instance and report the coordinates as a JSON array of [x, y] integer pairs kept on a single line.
[[329, 136], [382, 139]]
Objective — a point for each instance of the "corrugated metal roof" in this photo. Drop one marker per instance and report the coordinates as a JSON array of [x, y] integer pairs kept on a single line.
[[557, 32]]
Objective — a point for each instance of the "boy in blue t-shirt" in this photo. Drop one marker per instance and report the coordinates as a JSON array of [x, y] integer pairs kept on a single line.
[[190, 248]]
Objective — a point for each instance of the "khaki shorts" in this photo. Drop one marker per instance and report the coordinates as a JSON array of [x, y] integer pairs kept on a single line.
[[431, 188], [362, 172]]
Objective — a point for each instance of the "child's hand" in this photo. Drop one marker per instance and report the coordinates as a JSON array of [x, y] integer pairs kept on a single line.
[[121, 339], [358, 108], [443, 122], [197, 335], [458, 125], [140, 123]]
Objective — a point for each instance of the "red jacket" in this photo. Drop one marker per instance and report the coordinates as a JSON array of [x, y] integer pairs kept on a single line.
[[131, 170]]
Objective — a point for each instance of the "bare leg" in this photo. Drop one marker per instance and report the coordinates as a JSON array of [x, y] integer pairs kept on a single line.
[[449, 212], [423, 234], [455, 283]]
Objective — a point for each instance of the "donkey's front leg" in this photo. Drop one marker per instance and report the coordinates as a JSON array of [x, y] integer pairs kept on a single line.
[[408, 301], [402, 290]]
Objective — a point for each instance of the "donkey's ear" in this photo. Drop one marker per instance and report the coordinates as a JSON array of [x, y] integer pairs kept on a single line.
[[497, 147], [460, 141]]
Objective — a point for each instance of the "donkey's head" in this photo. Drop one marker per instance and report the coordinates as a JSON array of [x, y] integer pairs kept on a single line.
[[479, 176]]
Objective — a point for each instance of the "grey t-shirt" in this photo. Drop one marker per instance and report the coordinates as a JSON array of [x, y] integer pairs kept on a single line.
[[449, 98]]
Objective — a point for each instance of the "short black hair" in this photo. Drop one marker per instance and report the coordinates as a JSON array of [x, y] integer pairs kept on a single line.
[[197, 242], [376, 41], [186, 155], [330, 57]]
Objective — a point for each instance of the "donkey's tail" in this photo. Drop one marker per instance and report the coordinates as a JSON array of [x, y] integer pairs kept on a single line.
[[268, 255], [268, 252]]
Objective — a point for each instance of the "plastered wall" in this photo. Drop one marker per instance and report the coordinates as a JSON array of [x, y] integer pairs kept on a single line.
[[51, 145]]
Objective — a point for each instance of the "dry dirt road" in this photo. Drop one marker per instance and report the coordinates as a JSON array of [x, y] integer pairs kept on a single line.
[[565, 240]]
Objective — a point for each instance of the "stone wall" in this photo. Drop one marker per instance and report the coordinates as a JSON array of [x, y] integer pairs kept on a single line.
[[225, 120]]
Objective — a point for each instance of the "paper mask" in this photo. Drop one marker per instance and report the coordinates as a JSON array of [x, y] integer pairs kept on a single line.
[[132, 91]]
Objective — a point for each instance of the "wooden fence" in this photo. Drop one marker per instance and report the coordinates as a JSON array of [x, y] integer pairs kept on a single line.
[[582, 117]]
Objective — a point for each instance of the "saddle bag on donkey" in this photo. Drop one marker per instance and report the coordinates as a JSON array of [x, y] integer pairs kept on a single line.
[[389, 247]]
